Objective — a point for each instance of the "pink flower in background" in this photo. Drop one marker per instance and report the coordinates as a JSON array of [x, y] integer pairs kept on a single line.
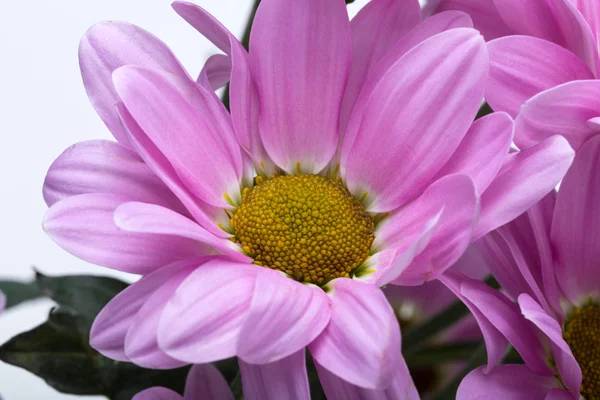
[[204, 381], [262, 267], [547, 260]]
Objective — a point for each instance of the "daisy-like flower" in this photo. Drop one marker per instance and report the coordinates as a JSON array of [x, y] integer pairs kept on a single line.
[[547, 260], [349, 160], [545, 98]]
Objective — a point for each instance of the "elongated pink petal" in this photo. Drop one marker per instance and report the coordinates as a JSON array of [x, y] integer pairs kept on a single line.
[[300, 56], [360, 312], [515, 382], [558, 21], [204, 23], [204, 381], [575, 227], [206, 215], [84, 226], [564, 110], [174, 125], [590, 9], [375, 30], [404, 138], [110, 327], [202, 320], [283, 318], [519, 69], [569, 369], [335, 388], [216, 71], [152, 219], [100, 166], [141, 343], [285, 379], [485, 15], [483, 150], [157, 393], [109, 45], [524, 179]]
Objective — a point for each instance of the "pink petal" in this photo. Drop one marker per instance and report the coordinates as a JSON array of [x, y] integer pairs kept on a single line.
[[203, 319], [375, 30], [284, 317], [204, 23], [514, 382], [110, 327], [84, 226], [563, 110], [402, 387], [519, 69], [2, 301], [590, 9], [456, 195], [575, 228], [401, 115], [141, 343], [570, 372], [204, 381], [205, 214], [216, 71], [360, 313], [152, 219], [558, 21], [485, 15], [300, 56], [157, 393], [177, 129], [483, 150], [285, 379], [109, 45], [524, 179], [100, 166]]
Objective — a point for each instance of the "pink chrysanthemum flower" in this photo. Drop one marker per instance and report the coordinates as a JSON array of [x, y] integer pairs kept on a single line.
[[349, 160], [547, 260], [545, 98]]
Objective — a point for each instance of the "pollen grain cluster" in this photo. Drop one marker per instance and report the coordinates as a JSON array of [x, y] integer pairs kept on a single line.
[[308, 226], [582, 333]]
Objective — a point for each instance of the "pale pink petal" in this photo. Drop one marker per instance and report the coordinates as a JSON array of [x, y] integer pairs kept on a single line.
[[152, 219], [405, 138], [84, 226], [484, 14], [483, 150], [335, 388], [216, 71], [519, 69], [457, 196], [157, 393], [564, 110], [590, 9], [100, 166], [110, 327], [375, 30], [347, 348], [204, 381], [570, 372], [204, 23], [514, 382], [181, 133], [560, 394], [202, 321], [205, 214], [300, 56], [109, 45], [576, 226], [594, 123], [141, 344], [285, 379], [524, 179], [283, 318]]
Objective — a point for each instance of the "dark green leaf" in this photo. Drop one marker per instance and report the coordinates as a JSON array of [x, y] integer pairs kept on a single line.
[[438, 354], [19, 292]]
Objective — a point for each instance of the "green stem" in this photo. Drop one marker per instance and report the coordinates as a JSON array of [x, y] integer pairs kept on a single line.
[[442, 354]]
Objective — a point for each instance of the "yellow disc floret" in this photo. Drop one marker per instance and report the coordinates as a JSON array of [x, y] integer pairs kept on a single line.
[[308, 226], [582, 333]]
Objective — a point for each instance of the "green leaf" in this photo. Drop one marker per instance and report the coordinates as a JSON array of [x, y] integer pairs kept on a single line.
[[19, 292], [439, 354]]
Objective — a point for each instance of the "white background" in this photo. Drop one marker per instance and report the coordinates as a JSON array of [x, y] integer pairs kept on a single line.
[[43, 110]]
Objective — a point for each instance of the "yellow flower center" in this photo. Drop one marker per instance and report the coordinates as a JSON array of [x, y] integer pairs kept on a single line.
[[582, 333], [308, 226]]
